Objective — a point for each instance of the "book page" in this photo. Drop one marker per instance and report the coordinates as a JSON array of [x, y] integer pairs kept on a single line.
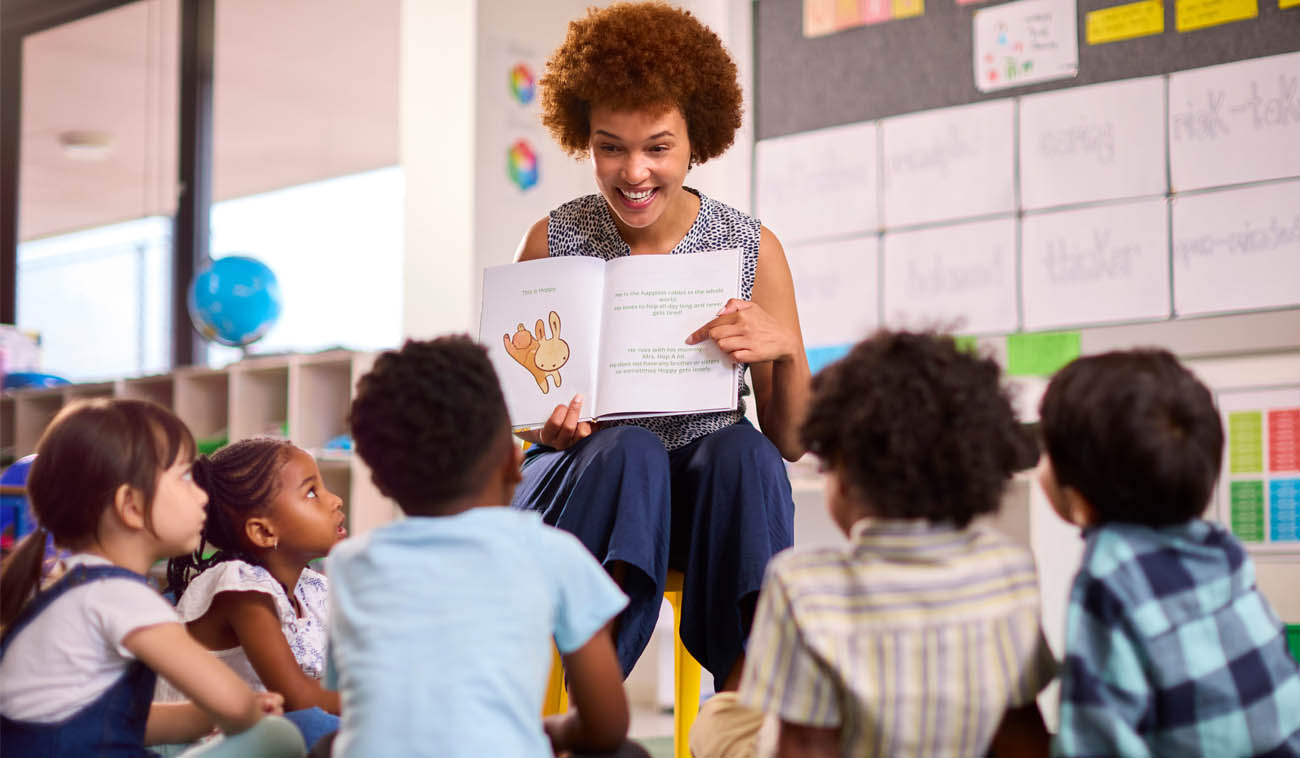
[[652, 304], [541, 325]]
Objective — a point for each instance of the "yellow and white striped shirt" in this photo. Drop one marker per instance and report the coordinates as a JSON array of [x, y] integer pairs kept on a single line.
[[914, 639]]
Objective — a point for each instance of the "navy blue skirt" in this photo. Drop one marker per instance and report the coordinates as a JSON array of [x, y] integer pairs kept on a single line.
[[716, 509]]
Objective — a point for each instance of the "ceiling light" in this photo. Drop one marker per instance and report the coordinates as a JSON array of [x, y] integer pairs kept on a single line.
[[82, 145]]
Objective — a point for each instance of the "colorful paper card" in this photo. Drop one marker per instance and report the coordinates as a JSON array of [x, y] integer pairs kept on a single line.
[[1024, 42], [1041, 354], [1190, 15], [1127, 21], [1259, 489]]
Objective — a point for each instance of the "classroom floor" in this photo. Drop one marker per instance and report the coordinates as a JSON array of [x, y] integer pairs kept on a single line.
[[653, 729]]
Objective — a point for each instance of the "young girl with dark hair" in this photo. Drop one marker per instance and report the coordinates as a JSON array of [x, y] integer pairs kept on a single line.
[[111, 483], [254, 601]]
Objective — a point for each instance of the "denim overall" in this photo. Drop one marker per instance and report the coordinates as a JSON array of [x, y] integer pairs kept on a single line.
[[112, 726]]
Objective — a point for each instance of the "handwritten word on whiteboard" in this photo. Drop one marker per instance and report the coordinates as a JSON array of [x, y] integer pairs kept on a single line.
[[1239, 122], [948, 164], [1104, 142], [837, 289], [818, 184], [960, 277], [1098, 265], [1237, 249]]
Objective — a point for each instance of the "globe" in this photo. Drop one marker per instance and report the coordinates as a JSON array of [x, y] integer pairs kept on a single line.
[[235, 300]]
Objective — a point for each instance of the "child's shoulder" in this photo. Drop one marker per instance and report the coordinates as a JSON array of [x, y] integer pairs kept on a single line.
[[231, 576]]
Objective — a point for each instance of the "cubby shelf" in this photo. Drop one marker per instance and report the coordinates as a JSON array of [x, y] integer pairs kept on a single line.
[[304, 397]]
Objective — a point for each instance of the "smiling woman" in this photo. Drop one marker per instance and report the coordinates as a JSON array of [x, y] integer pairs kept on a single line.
[[647, 92]]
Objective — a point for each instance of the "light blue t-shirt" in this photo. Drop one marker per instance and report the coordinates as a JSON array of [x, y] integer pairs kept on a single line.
[[441, 629]]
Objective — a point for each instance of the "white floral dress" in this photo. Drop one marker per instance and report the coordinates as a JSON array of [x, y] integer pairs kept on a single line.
[[305, 634]]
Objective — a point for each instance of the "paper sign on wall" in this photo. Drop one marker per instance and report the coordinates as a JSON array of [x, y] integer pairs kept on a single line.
[[818, 184], [1103, 142], [949, 163], [1237, 250], [958, 278], [1024, 42], [1190, 15], [1234, 123], [1259, 489], [836, 286], [1127, 21], [1099, 265]]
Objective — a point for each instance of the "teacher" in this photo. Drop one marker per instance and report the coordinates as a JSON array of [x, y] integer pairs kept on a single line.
[[647, 92]]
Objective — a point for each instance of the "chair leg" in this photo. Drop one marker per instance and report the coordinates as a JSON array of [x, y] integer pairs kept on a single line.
[[686, 675], [557, 698]]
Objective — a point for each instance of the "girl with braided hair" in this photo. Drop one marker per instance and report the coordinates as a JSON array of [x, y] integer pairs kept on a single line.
[[254, 601]]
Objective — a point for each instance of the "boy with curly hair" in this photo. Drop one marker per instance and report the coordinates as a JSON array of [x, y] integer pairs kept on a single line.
[[1169, 647], [441, 623], [921, 636]]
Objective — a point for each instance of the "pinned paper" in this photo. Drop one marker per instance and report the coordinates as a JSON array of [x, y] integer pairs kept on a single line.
[[1041, 354], [1190, 15], [1126, 21], [908, 8], [1025, 42], [1288, 3]]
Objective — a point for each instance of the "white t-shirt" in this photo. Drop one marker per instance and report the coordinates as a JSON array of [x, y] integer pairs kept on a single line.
[[71, 653]]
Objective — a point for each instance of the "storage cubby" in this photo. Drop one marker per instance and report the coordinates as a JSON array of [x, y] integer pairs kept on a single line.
[[259, 398], [310, 394], [157, 389]]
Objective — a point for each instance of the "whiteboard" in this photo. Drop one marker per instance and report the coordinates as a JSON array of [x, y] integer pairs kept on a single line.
[[1237, 249], [818, 184], [1104, 142], [1239, 122], [1098, 265], [960, 278], [836, 286], [948, 164]]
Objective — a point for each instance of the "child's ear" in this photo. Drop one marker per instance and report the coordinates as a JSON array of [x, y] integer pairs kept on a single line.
[[261, 533], [1077, 508], [128, 503]]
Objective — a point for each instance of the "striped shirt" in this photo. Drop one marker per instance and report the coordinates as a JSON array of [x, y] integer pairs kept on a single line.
[[913, 640]]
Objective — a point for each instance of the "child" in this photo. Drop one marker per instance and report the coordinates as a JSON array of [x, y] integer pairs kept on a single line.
[[1169, 648], [269, 514], [441, 624], [111, 482], [921, 636]]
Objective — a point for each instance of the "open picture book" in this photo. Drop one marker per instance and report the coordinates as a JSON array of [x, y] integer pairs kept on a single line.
[[612, 331]]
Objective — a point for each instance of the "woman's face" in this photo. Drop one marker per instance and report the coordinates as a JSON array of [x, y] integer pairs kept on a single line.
[[640, 159]]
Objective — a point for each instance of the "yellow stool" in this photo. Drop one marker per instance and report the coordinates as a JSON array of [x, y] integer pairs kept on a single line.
[[686, 677]]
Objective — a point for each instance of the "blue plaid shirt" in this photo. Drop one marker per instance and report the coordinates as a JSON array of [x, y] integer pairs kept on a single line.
[[1170, 650]]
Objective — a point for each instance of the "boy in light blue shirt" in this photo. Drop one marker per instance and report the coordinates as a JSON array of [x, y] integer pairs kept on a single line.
[[441, 624]]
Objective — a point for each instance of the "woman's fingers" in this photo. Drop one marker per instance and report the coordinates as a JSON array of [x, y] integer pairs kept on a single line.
[[562, 428]]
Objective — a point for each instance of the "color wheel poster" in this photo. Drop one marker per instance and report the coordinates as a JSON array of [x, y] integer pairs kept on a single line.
[[1259, 488]]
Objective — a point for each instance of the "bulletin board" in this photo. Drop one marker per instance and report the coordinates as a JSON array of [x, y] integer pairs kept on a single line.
[[922, 172], [923, 62]]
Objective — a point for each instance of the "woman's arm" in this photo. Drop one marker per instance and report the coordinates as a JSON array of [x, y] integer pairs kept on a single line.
[[764, 332], [171, 652], [256, 625], [598, 720]]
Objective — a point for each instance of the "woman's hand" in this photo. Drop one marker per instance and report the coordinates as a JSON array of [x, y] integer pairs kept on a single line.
[[563, 429], [748, 334]]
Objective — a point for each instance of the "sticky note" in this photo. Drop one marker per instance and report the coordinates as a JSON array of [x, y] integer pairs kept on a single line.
[[1246, 442], [1190, 15], [1288, 3], [1126, 21], [1040, 354], [908, 8]]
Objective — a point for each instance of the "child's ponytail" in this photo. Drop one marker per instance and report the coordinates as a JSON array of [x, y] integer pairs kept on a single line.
[[21, 574], [240, 480]]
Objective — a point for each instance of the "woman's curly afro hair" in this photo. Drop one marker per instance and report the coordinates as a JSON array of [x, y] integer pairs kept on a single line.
[[634, 56], [917, 427]]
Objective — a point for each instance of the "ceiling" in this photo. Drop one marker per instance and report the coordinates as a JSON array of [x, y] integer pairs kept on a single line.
[[302, 90]]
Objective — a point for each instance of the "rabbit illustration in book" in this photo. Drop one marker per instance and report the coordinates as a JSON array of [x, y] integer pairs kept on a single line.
[[542, 356]]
